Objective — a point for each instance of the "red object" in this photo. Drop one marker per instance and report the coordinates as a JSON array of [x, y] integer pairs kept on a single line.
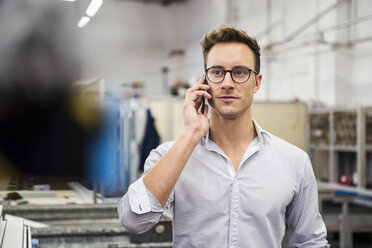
[[345, 180]]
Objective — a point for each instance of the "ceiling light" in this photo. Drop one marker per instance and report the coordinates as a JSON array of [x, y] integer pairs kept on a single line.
[[93, 7], [83, 21]]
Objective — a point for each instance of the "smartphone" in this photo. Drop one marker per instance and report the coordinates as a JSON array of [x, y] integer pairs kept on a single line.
[[203, 99]]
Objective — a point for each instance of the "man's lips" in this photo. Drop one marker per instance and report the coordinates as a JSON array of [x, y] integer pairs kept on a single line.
[[227, 98]]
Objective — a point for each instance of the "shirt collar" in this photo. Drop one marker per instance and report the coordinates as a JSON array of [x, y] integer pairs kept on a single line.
[[261, 133], [209, 144]]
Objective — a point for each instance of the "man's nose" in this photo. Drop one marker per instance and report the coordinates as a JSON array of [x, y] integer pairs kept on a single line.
[[227, 82]]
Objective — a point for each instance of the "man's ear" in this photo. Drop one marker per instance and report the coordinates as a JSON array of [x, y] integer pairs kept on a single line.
[[257, 83]]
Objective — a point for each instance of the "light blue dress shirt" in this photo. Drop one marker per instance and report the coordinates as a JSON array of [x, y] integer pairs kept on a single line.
[[215, 206]]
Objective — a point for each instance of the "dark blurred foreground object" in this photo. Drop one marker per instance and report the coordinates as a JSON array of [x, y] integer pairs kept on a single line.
[[42, 139], [40, 130], [13, 196]]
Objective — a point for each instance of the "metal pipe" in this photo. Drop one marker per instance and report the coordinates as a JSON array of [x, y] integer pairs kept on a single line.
[[348, 23], [268, 30], [306, 25], [344, 24], [312, 21]]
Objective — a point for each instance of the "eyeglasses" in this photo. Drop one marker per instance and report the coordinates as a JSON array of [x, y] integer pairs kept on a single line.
[[238, 74]]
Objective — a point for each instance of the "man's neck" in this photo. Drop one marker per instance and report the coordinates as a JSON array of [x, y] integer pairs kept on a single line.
[[235, 134]]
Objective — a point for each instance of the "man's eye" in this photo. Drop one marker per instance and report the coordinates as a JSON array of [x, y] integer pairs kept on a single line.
[[240, 72], [217, 72]]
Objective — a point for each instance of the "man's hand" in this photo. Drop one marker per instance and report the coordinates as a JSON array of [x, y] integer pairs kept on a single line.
[[195, 122], [160, 180]]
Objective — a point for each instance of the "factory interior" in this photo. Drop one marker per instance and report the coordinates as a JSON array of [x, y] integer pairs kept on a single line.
[[88, 88]]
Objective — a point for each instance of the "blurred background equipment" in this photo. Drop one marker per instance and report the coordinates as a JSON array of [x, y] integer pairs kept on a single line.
[[179, 86]]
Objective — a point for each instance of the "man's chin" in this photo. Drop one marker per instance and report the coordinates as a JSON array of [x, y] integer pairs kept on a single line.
[[229, 114], [226, 112]]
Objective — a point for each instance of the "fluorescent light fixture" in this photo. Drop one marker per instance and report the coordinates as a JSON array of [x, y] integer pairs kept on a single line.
[[68, 0], [93, 7], [83, 21]]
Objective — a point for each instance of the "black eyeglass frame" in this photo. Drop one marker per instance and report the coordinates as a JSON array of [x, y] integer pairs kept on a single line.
[[231, 75]]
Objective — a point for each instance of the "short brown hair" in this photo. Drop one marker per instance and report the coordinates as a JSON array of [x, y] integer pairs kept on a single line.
[[229, 34]]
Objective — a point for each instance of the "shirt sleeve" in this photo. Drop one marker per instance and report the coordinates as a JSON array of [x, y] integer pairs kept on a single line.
[[305, 224], [138, 209], [141, 200]]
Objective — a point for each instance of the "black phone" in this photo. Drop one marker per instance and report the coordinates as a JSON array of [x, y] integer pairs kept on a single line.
[[203, 99]]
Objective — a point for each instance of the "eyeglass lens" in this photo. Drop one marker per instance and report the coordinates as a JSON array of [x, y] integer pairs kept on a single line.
[[239, 75]]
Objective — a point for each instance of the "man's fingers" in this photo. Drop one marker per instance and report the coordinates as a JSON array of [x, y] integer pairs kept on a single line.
[[196, 95], [201, 80], [206, 107], [203, 93], [204, 86], [199, 87]]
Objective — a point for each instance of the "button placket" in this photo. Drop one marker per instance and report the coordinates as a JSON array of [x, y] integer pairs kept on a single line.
[[234, 214]]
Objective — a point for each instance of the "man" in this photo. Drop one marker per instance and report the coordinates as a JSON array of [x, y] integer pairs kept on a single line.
[[228, 182]]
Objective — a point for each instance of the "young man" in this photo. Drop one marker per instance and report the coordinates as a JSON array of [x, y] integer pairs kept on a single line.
[[228, 182]]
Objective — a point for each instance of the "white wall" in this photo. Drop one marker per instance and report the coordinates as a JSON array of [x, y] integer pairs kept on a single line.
[[302, 69], [130, 41]]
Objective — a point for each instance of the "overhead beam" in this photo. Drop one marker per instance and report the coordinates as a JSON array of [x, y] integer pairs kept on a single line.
[[307, 24]]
